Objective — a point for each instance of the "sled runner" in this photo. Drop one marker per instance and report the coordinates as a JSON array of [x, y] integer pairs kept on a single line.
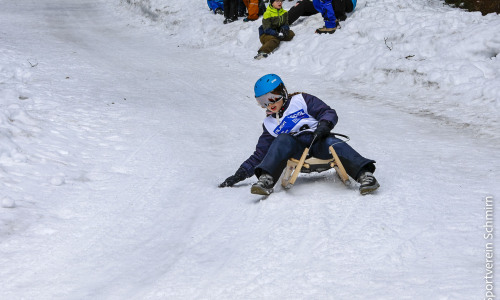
[[312, 164]]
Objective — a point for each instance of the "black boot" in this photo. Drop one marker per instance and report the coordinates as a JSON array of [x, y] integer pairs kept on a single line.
[[230, 20], [368, 183], [264, 186]]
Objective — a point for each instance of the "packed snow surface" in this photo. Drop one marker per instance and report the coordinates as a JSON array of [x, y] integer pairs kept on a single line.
[[119, 119]]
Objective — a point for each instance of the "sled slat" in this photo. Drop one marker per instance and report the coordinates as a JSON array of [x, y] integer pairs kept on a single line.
[[339, 167]]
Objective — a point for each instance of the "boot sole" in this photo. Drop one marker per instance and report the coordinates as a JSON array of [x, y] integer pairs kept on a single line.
[[259, 57], [318, 31], [369, 189], [260, 190]]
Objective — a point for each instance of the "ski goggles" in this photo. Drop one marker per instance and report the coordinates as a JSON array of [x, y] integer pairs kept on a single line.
[[267, 99]]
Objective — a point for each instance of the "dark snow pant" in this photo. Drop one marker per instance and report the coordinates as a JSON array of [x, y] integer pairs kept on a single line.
[[230, 9], [303, 8], [241, 8], [286, 146], [270, 42], [340, 7], [306, 8]]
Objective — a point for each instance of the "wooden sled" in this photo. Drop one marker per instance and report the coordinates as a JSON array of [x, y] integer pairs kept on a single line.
[[312, 164]]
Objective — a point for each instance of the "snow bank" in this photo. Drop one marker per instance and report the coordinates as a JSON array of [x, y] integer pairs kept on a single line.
[[16, 127], [15, 122]]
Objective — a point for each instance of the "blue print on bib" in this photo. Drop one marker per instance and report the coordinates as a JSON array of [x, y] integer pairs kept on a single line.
[[290, 121]]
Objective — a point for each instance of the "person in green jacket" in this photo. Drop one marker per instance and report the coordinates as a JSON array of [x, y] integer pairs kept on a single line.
[[274, 28]]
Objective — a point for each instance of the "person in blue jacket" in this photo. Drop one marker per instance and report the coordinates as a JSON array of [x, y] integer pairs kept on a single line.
[[332, 12], [292, 123]]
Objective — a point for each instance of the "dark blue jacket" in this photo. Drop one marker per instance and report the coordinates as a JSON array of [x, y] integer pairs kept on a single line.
[[316, 108]]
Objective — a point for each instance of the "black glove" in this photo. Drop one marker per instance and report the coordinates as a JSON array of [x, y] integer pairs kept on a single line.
[[323, 129], [240, 175], [283, 32]]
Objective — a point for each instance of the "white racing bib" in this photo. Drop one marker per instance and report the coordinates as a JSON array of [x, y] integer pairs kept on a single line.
[[294, 119]]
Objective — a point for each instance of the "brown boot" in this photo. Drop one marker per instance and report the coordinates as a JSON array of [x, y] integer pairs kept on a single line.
[[325, 30]]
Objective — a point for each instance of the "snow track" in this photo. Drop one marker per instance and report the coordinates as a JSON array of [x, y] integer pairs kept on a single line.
[[116, 133]]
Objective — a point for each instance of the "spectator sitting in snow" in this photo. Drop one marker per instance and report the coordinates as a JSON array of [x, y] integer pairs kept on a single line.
[[332, 11], [274, 28], [292, 123]]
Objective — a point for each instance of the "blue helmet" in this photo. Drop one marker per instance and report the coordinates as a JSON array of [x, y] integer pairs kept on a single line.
[[266, 84]]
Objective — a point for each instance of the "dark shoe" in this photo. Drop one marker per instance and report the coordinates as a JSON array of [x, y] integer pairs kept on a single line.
[[261, 55], [230, 20], [368, 183], [325, 30], [219, 11], [264, 186]]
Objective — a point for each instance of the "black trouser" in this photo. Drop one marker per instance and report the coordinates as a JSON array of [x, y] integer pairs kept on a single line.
[[340, 7], [241, 8], [306, 8], [302, 8], [230, 9]]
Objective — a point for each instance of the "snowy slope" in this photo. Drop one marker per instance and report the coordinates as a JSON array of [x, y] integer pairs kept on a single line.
[[119, 119], [422, 56]]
